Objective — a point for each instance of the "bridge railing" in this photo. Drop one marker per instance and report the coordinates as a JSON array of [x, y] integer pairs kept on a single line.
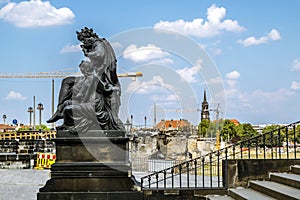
[[32, 135], [208, 171]]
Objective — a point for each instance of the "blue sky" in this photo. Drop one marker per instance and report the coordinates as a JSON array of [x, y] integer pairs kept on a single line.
[[244, 53]]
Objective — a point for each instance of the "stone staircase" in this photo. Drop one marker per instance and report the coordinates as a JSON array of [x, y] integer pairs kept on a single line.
[[283, 186]]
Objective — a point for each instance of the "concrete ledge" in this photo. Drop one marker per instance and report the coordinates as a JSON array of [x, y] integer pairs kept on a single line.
[[239, 172]]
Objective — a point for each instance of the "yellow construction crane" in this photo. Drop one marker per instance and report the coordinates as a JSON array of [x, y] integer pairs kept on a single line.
[[58, 74]]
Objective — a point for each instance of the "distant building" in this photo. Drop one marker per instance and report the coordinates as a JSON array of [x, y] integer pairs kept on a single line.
[[174, 125], [7, 128], [235, 121], [205, 110], [259, 127]]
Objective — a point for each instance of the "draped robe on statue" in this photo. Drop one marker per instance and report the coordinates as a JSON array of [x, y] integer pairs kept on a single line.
[[98, 108]]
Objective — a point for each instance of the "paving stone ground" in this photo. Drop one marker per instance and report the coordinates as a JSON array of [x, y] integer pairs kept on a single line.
[[23, 184]]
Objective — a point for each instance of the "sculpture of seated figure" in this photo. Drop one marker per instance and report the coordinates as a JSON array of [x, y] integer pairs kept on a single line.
[[91, 101], [73, 90]]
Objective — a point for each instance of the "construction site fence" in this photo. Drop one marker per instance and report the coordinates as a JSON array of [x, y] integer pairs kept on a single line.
[[28, 135], [45, 160]]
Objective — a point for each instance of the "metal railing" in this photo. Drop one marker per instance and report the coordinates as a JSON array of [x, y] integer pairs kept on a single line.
[[151, 165], [208, 171]]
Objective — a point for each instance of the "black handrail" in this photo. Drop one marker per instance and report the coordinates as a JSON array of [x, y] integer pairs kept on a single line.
[[207, 171]]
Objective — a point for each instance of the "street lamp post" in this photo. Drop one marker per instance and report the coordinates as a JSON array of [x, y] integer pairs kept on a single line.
[[30, 110], [40, 107], [4, 119], [131, 121], [127, 125]]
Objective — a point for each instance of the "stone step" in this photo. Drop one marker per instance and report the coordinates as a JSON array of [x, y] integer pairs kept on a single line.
[[295, 169], [248, 194], [276, 190], [218, 197], [292, 180]]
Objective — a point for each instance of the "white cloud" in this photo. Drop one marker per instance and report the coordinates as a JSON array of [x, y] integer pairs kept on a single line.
[[165, 98], [15, 96], [70, 48], [216, 80], [259, 106], [36, 13], [116, 45], [188, 73], [216, 51], [214, 25], [251, 41], [231, 81], [296, 65], [274, 35], [233, 75], [157, 84], [295, 85], [144, 53]]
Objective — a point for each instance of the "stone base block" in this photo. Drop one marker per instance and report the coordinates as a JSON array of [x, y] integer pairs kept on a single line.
[[93, 165], [122, 195]]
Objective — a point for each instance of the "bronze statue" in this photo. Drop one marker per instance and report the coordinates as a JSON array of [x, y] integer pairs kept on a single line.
[[91, 102]]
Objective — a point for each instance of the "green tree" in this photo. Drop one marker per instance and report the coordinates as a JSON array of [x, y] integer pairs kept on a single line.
[[294, 137], [245, 131], [212, 130], [272, 135], [228, 131], [270, 128], [44, 128], [203, 128], [297, 134]]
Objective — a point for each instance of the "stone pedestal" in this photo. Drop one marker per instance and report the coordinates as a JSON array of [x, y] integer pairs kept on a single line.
[[93, 165]]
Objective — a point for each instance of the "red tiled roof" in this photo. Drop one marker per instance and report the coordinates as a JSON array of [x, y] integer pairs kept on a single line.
[[173, 124], [7, 127], [236, 122]]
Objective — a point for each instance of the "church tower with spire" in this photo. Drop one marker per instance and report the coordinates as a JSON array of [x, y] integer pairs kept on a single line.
[[205, 110]]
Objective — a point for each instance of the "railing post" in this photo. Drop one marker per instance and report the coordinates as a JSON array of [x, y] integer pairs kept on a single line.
[[287, 141], [156, 176], [295, 141], [210, 168], [195, 164], [165, 179], [233, 152], [180, 168], [279, 143], [264, 145], [142, 183], [172, 176], [249, 147], [203, 172], [256, 147], [241, 148], [218, 167], [188, 174], [272, 144], [149, 181], [225, 172]]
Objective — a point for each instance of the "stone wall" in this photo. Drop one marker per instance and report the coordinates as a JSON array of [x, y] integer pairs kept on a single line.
[[174, 147], [239, 172]]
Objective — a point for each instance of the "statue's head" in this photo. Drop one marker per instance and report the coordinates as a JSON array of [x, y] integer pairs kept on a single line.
[[87, 37]]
